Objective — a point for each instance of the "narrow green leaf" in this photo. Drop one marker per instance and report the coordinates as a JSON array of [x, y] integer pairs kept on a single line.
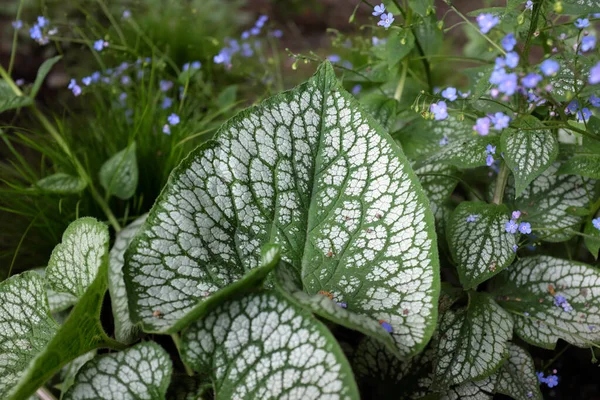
[[26, 326], [310, 171], [75, 262], [592, 243], [42, 73], [464, 153], [529, 290], [119, 174], [261, 346], [580, 7], [9, 100], [528, 153], [472, 341], [139, 372], [517, 377], [478, 241], [125, 331], [585, 165], [61, 183], [399, 44]]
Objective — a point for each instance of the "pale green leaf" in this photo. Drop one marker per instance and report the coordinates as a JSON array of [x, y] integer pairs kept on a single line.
[[579, 7], [9, 100], [69, 371], [465, 153], [472, 342], [26, 326], [141, 372], [592, 240], [309, 171], [42, 73], [528, 153], [481, 248], [381, 107], [75, 262], [477, 390], [261, 346], [57, 301], [528, 289], [517, 377], [399, 44], [119, 174], [125, 331], [61, 183], [438, 182], [582, 164]]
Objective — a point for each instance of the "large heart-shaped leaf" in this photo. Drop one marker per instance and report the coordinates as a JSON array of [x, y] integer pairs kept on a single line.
[[125, 331], [528, 151], [26, 326], [472, 341], [517, 377], [261, 346], [119, 174], [478, 241], [139, 372], [530, 290], [307, 170]]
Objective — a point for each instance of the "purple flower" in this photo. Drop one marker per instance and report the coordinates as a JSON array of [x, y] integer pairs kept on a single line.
[[482, 126], [255, 31], [386, 20], [525, 228], [512, 59], [356, 89], [490, 149], [167, 102], [449, 93], [342, 304], [489, 160], [224, 56], [378, 10], [500, 121], [596, 223], [511, 226], [531, 80], [549, 67], [487, 22], [588, 43], [439, 110], [334, 58], [509, 84], [125, 80], [552, 380], [540, 376], [472, 218], [582, 23], [35, 32], [87, 81], [509, 42], [165, 85], [75, 88], [100, 44], [516, 214], [166, 129], [595, 101], [173, 119], [17, 24], [584, 114], [595, 74], [529, 5], [498, 76]]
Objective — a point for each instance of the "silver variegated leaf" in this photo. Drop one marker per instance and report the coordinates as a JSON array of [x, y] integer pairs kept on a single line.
[[141, 372], [579, 7], [57, 301], [125, 331], [26, 326], [530, 290], [261, 346], [75, 262], [587, 165], [119, 174], [528, 151], [467, 152], [472, 341], [477, 390], [517, 377], [478, 241], [61, 183], [309, 171], [438, 182]]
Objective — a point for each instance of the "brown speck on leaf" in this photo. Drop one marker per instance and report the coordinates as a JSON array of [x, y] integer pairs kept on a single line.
[[378, 216], [369, 230], [330, 254], [327, 294], [584, 292], [551, 290], [493, 267], [405, 311], [347, 218], [157, 314], [541, 300]]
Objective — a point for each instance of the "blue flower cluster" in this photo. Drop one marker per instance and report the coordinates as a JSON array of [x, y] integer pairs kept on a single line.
[[561, 301], [513, 226], [550, 380], [39, 31], [385, 19]]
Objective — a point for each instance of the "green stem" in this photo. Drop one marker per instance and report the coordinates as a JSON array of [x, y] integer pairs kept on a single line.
[[13, 50], [112, 21], [500, 49], [556, 357], [177, 342], [400, 87], [500, 184]]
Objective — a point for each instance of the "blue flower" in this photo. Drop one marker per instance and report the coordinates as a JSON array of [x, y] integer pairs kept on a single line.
[[511, 226], [498, 76], [247, 50], [96, 76], [165, 85], [509, 42], [173, 119], [86, 80], [595, 74], [489, 160], [525, 228], [100, 44], [584, 114], [449, 93], [255, 31], [42, 22], [540, 376], [529, 5], [512, 59], [515, 248], [439, 110], [482, 126], [356, 89], [516, 214], [126, 14], [334, 58], [17, 24], [588, 43], [509, 84], [123, 98], [595, 101], [549, 67], [75, 88], [551, 381], [378, 10], [386, 20], [596, 223], [35, 32], [582, 23], [487, 22], [500, 121], [572, 107], [224, 56], [386, 326], [531, 80], [245, 35], [260, 22], [166, 129], [444, 141], [277, 33], [490, 149], [472, 218], [464, 95], [125, 80], [167, 102], [193, 65]]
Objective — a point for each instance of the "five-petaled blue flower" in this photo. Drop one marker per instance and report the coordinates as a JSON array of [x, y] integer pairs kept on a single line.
[[87, 81], [482, 126], [439, 110], [167, 102], [75, 88], [378, 10], [509, 84], [487, 22], [582, 23], [386, 20], [490, 149], [516, 214], [165, 85], [489, 160], [500, 121], [42, 21], [594, 78], [551, 381], [549, 67], [529, 5], [450, 94], [531, 80], [173, 119], [525, 228], [356, 89], [584, 114], [472, 218], [511, 226], [512, 59], [166, 129], [596, 223], [509, 42]]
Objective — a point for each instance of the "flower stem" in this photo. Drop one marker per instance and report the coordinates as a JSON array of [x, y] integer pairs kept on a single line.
[[500, 184], [476, 29]]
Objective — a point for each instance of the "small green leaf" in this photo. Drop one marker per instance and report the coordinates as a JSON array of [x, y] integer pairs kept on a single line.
[[26, 326], [139, 372], [261, 346], [421, 7], [75, 262], [9, 100], [472, 341], [399, 44], [478, 241], [119, 174], [592, 243], [125, 331], [582, 164], [464, 153], [61, 183], [41, 74], [528, 289], [528, 153], [517, 377], [580, 7]]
